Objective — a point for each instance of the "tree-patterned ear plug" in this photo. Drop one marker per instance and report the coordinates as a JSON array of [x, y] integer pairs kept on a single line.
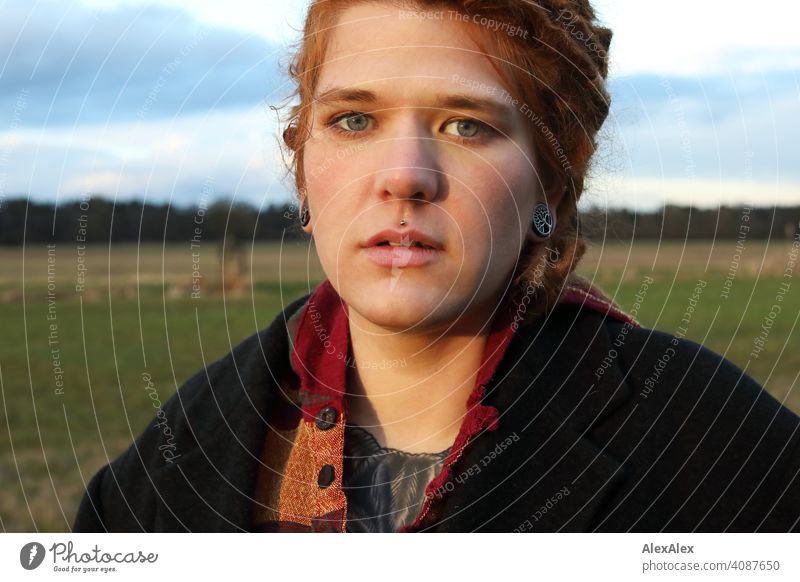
[[542, 220], [305, 215]]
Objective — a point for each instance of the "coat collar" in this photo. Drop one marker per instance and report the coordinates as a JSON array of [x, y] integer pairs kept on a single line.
[[220, 428], [321, 354], [222, 424], [546, 443]]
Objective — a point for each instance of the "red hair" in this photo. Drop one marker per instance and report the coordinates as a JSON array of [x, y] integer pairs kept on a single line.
[[558, 67]]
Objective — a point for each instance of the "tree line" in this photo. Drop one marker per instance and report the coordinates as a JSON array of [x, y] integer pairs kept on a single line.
[[99, 220], [687, 223]]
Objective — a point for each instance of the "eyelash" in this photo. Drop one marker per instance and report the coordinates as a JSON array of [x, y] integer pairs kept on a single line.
[[486, 132]]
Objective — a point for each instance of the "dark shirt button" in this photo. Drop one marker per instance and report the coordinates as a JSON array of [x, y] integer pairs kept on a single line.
[[326, 476], [327, 418]]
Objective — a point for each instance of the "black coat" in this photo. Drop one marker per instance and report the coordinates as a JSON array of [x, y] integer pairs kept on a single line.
[[603, 427]]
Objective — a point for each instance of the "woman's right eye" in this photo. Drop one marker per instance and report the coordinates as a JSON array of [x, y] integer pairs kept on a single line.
[[352, 122]]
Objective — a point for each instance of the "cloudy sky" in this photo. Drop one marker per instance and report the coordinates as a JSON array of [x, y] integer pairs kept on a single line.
[[167, 99]]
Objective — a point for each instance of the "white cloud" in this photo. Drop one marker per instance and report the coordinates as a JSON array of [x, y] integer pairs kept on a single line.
[[688, 37], [722, 141], [235, 150], [672, 37], [645, 194], [171, 152], [276, 21]]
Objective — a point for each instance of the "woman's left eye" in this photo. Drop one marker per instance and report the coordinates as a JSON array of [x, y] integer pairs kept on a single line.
[[468, 128], [354, 122]]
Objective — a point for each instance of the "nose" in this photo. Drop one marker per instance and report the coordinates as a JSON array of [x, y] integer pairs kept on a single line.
[[408, 167]]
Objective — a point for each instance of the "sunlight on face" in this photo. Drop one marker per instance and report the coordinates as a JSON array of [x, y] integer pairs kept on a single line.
[[411, 121]]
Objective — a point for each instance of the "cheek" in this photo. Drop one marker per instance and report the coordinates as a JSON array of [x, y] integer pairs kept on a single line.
[[331, 170], [332, 186], [317, 167], [326, 184], [500, 206]]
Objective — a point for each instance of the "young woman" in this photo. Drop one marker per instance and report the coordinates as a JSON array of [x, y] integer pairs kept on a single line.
[[452, 373]]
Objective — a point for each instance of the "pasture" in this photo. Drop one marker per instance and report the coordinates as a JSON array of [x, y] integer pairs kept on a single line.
[[88, 335]]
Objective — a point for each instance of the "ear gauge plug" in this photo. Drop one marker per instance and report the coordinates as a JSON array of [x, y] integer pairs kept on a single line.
[[542, 220], [305, 214]]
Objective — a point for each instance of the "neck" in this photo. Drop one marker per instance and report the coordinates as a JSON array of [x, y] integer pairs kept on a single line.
[[410, 390]]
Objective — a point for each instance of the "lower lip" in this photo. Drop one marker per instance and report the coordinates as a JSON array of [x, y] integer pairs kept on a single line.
[[401, 257]]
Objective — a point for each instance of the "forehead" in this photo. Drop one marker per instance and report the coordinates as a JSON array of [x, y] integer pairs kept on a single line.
[[404, 49]]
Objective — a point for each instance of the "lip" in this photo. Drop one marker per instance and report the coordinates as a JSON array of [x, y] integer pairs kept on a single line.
[[401, 257], [399, 237]]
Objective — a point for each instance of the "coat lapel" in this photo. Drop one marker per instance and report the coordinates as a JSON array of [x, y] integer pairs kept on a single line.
[[541, 470], [211, 486]]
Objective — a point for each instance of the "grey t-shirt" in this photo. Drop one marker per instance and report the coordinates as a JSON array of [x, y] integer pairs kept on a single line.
[[385, 487]]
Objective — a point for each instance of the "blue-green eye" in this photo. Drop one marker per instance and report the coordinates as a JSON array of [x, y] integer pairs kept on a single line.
[[355, 122], [468, 128]]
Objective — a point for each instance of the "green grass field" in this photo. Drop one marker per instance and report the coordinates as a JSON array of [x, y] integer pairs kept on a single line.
[[135, 316]]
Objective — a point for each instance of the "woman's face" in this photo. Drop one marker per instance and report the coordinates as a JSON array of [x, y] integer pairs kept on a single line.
[[429, 134]]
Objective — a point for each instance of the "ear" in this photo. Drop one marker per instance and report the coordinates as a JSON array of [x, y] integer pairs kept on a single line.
[[290, 137], [309, 228], [553, 201], [304, 201]]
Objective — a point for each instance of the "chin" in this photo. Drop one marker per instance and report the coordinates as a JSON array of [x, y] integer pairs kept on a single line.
[[402, 308]]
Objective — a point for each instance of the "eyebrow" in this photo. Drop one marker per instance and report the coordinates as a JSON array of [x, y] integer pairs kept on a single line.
[[445, 101]]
